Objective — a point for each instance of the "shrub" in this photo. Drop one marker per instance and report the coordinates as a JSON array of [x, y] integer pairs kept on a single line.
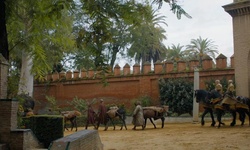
[[79, 104], [47, 128], [177, 94]]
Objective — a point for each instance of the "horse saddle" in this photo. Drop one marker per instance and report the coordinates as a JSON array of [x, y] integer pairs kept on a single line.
[[157, 109], [112, 112]]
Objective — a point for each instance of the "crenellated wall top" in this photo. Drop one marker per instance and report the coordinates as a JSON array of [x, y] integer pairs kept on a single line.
[[158, 68]]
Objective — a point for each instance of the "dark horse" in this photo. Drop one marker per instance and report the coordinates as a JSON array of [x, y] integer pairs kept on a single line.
[[115, 113], [209, 100], [241, 106], [155, 112]]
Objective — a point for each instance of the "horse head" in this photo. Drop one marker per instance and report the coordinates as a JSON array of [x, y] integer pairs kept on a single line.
[[201, 96]]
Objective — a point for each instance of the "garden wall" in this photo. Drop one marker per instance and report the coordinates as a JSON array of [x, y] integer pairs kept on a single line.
[[125, 85]]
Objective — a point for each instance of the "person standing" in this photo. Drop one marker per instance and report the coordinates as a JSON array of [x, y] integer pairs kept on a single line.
[[138, 118], [90, 117], [102, 114]]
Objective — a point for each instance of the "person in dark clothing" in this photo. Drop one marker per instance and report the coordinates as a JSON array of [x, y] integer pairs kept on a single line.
[[102, 114], [91, 117]]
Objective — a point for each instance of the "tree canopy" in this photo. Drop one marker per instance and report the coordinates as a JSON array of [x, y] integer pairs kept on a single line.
[[37, 35]]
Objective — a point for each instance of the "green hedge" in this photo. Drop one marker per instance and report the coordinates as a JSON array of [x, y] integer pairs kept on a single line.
[[47, 128]]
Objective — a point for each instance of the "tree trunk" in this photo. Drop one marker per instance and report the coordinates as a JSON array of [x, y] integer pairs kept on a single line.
[[26, 78], [3, 32]]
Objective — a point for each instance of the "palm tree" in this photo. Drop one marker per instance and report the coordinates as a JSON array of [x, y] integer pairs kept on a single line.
[[175, 53], [146, 41], [201, 47], [175, 8]]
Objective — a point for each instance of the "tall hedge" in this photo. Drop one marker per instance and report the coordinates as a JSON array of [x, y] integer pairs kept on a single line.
[[177, 94], [47, 128]]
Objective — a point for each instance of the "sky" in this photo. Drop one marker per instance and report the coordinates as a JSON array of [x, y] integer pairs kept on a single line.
[[209, 21]]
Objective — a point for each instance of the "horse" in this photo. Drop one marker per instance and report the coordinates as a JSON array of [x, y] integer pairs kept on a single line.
[[209, 100], [70, 116], [240, 105], [113, 113], [155, 112], [243, 107]]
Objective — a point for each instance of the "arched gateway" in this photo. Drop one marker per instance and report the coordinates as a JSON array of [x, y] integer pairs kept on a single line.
[[240, 12]]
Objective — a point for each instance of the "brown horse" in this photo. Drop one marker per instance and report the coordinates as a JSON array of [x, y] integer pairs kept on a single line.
[[70, 116], [155, 112]]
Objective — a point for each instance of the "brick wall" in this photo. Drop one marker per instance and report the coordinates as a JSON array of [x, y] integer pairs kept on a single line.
[[8, 111], [125, 86], [4, 66]]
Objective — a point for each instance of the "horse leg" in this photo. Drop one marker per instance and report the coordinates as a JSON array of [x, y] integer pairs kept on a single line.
[[203, 115], [248, 114], [145, 122], [162, 122], [152, 122], [212, 117], [65, 127], [242, 115], [75, 122], [234, 118], [72, 123], [219, 115], [106, 125], [123, 122], [112, 121]]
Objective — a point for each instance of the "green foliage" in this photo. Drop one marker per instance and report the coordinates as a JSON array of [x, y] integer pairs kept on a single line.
[[53, 106], [24, 105], [13, 80], [147, 37], [46, 128], [39, 29], [79, 104], [145, 101], [177, 94]]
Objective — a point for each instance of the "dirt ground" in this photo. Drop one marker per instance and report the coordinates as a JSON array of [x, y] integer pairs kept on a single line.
[[176, 136]]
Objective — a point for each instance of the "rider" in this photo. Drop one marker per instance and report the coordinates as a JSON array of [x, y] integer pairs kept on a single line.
[[230, 88], [218, 86], [229, 97]]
